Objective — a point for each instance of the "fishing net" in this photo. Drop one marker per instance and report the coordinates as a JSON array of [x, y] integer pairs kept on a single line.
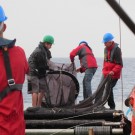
[[63, 89], [62, 85]]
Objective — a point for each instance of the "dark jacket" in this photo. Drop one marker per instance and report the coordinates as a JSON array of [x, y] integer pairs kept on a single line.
[[38, 61]]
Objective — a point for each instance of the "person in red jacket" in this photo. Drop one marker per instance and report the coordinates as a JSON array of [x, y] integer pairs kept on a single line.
[[13, 67], [88, 65], [112, 64]]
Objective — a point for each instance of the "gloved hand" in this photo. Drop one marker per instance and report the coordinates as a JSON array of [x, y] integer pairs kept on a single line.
[[72, 60], [111, 73], [78, 70]]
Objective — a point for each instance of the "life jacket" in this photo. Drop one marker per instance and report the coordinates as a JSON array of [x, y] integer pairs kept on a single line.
[[5, 44], [111, 59]]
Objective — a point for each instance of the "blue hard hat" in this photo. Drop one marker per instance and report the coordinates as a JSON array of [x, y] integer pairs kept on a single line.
[[83, 42], [2, 15], [107, 37]]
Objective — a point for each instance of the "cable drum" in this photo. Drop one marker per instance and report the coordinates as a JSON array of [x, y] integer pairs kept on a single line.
[[98, 130]]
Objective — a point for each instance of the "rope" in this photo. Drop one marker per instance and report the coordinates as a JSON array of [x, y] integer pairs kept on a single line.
[[68, 118], [121, 71]]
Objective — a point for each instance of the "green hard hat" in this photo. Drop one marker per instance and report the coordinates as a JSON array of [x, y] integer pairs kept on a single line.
[[49, 39]]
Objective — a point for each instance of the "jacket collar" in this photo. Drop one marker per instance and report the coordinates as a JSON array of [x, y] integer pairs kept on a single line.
[[8, 42]]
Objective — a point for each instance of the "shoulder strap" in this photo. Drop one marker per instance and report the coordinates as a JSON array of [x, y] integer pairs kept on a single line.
[[112, 52], [11, 82], [9, 89], [7, 64]]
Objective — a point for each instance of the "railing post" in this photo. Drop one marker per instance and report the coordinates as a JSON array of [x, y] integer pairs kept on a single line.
[[90, 131]]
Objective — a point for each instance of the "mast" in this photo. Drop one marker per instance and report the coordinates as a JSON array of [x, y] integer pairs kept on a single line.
[[122, 14]]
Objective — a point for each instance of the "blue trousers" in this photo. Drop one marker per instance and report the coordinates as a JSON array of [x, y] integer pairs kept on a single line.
[[89, 73]]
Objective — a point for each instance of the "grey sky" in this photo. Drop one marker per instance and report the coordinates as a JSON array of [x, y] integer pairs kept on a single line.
[[69, 21]]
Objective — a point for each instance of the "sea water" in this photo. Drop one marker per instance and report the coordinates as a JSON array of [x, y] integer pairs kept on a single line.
[[121, 90]]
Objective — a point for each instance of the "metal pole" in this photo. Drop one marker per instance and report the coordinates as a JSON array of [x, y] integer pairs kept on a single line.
[[115, 131], [91, 132], [49, 131], [122, 14]]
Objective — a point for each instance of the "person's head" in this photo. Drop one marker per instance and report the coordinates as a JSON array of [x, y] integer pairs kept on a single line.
[[108, 39], [48, 40], [2, 19], [83, 42]]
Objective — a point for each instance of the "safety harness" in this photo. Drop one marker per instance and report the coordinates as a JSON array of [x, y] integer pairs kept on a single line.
[[11, 82]]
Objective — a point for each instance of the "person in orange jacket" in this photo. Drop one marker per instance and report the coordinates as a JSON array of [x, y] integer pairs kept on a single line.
[[88, 65], [13, 67], [130, 102]]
